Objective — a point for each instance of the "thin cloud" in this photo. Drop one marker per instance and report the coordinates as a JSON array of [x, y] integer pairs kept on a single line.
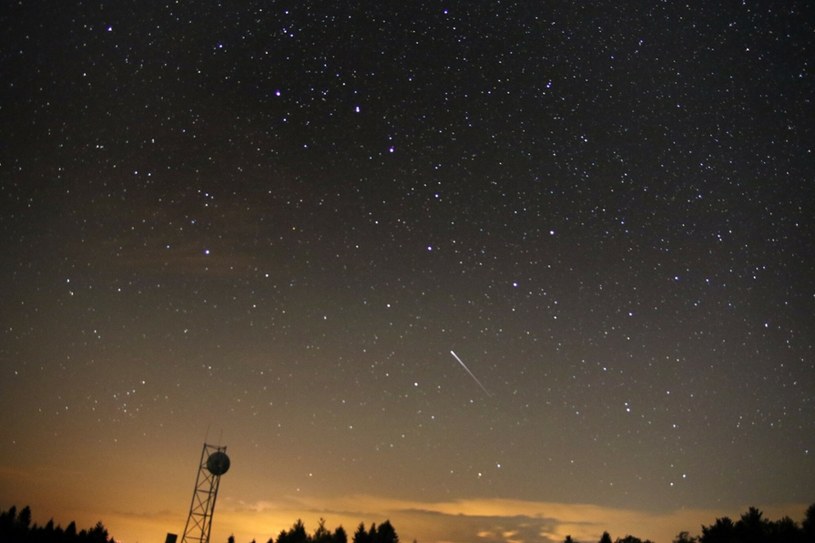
[[492, 521]]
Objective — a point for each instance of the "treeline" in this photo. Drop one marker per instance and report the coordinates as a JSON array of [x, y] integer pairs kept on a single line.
[[16, 527], [752, 527], [384, 533]]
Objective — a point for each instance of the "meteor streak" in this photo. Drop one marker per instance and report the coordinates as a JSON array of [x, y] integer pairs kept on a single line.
[[463, 365]]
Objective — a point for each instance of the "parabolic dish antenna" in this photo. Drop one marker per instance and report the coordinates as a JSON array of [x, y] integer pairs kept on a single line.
[[218, 463]]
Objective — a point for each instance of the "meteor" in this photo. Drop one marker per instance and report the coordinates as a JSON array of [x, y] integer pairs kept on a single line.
[[463, 365]]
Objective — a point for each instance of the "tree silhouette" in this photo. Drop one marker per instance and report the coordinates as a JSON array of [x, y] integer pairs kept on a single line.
[[751, 527], [321, 534], [98, 534], [721, 531], [24, 518], [808, 526], [298, 534], [684, 537], [361, 535], [784, 530], [605, 538], [339, 535], [386, 534]]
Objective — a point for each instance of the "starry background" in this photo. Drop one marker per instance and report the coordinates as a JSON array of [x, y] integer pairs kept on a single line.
[[268, 224]]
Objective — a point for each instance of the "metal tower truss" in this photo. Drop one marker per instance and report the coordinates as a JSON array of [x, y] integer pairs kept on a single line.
[[199, 521]]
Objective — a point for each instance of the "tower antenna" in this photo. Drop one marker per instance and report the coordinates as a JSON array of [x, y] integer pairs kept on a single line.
[[214, 463]]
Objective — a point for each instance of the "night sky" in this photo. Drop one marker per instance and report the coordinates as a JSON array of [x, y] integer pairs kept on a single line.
[[269, 225]]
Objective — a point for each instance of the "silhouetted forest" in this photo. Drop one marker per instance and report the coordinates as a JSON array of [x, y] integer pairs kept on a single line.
[[384, 533], [751, 527], [16, 527]]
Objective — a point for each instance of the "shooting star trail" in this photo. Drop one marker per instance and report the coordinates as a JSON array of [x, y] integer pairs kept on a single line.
[[463, 365]]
